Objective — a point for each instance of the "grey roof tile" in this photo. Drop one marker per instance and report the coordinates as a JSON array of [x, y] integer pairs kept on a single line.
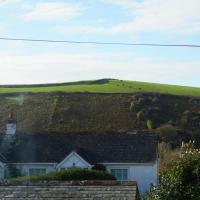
[[93, 147]]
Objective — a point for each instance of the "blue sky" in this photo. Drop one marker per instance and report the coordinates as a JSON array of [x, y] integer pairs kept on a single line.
[[140, 21]]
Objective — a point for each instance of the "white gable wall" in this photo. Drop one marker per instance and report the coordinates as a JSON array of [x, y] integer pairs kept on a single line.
[[73, 160], [145, 174]]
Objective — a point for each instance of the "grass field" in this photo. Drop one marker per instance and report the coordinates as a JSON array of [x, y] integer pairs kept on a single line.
[[104, 86]]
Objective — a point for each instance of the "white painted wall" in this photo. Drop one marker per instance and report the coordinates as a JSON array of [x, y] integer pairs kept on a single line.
[[145, 174], [24, 167]]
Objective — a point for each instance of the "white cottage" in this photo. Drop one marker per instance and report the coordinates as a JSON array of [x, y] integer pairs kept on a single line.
[[128, 156]]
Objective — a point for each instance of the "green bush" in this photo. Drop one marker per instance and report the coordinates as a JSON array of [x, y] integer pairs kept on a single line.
[[168, 133], [69, 175], [140, 115], [132, 105], [182, 180], [149, 124], [99, 167], [167, 156]]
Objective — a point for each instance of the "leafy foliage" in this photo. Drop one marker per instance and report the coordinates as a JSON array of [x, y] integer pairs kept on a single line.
[[182, 180], [168, 133], [167, 155], [149, 124], [140, 115], [99, 167], [69, 175]]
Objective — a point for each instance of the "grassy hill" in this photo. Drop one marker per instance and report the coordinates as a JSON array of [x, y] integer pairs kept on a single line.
[[104, 86]]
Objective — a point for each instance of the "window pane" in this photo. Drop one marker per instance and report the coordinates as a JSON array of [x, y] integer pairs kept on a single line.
[[36, 171], [125, 174], [120, 174], [113, 172]]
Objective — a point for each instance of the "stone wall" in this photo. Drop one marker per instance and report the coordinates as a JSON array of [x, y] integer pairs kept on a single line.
[[64, 190]]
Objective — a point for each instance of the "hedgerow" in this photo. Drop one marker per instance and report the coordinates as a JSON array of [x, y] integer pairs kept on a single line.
[[69, 175]]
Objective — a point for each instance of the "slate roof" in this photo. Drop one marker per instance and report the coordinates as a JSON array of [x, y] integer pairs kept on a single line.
[[93, 147]]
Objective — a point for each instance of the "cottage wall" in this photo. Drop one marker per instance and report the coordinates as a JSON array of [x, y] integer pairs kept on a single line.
[[144, 174], [24, 168]]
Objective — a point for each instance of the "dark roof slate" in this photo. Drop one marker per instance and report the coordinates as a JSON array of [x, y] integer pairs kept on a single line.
[[93, 147]]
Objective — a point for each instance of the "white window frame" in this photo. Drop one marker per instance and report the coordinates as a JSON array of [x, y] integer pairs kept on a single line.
[[37, 168], [120, 168]]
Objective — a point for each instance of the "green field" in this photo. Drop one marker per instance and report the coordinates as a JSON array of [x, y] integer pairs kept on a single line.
[[104, 86]]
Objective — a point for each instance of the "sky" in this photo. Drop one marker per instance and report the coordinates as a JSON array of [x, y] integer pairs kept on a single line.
[[132, 21]]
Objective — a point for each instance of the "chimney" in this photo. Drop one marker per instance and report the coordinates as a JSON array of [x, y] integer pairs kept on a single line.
[[11, 125]]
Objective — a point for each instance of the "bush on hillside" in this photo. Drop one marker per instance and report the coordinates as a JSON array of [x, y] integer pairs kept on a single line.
[[168, 133], [182, 180], [132, 105], [70, 175], [149, 124], [140, 115]]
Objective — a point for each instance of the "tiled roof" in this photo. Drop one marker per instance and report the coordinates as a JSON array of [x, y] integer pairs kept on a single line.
[[93, 147]]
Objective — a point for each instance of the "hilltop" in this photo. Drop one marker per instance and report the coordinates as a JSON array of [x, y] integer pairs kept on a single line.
[[103, 86]]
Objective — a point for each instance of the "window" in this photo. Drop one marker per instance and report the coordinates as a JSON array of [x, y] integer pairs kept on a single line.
[[120, 174], [36, 171]]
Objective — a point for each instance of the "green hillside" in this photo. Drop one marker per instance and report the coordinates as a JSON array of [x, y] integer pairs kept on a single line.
[[104, 86]]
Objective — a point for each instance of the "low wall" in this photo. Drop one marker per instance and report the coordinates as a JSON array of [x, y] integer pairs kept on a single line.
[[86, 190]]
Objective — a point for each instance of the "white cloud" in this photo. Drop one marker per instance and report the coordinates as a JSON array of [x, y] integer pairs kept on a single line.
[[50, 11], [70, 67], [2, 28], [8, 2], [171, 16], [84, 29], [123, 3], [180, 16]]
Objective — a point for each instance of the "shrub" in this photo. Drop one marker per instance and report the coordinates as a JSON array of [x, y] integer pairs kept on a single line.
[[132, 105], [149, 124], [167, 156], [71, 174], [140, 115], [99, 167], [168, 133], [182, 180]]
